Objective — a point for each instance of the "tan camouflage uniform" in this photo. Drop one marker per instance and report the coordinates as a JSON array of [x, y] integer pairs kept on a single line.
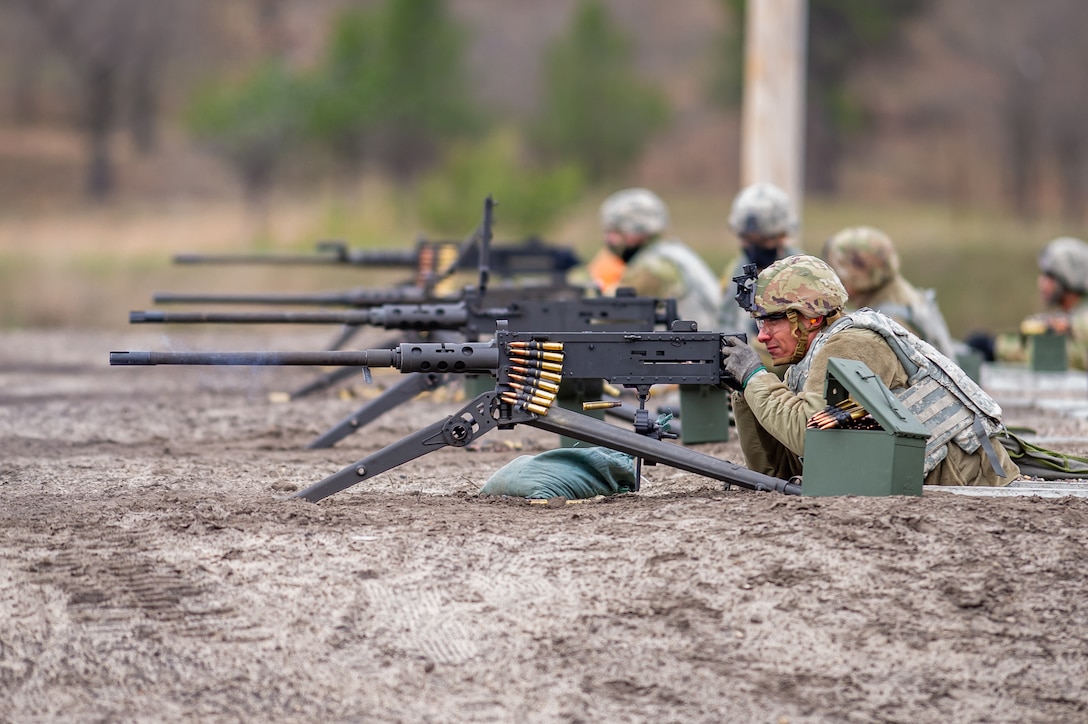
[[772, 414], [662, 268], [868, 265], [1064, 259], [759, 210]]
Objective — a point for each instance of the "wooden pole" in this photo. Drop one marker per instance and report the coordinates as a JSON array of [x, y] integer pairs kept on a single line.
[[773, 116]]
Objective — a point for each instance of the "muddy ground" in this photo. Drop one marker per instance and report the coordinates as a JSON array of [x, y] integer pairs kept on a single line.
[[153, 567]]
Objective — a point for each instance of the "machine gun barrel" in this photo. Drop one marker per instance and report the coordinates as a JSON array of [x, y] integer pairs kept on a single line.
[[406, 316], [350, 298], [328, 253], [473, 316], [475, 357], [531, 256]]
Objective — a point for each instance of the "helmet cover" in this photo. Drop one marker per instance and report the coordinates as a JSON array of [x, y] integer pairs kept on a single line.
[[634, 211], [806, 284], [864, 258], [1066, 259], [761, 209]]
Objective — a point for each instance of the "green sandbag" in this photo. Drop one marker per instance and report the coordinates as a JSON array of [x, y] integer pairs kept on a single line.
[[570, 472], [1038, 462]]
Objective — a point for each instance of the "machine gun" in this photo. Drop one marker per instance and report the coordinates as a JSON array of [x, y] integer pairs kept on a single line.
[[435, 262], [363, 297], [528, 368], [430, 259], [476, 248], [471, 319]]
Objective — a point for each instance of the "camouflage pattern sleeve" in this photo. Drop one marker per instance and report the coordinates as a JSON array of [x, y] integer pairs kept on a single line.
[[785, 414], [653, 276]]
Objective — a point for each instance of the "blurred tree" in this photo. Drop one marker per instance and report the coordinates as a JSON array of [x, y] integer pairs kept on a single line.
[[341, 97], [114, 51], [392, 88], [1030, 59], [253, 122], [529, 200], [596, 109], [843, 35]]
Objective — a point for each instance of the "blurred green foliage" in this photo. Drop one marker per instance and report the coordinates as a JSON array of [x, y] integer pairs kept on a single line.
[[251, 121], [529, 200], [596, 108], [392, 88]]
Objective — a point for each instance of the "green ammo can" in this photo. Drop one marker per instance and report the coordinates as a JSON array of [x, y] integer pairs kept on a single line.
[[864, 462], [1048, 353], [704, 411], [476, 385]]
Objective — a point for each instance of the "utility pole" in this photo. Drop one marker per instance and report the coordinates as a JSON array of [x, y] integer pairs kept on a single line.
[[773, 116]]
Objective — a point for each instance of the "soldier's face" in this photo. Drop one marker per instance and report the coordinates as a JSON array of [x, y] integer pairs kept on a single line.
[[777, 337], [780, 339], [617, 240], [1050, 291]]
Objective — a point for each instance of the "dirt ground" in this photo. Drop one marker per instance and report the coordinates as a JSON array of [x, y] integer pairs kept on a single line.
[[153, 567]]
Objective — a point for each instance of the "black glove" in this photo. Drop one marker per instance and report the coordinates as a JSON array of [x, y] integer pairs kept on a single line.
[[983, 343], [739, 362]]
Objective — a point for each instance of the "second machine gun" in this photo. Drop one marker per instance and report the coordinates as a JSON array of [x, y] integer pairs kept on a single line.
[[528, 368], [471, 318], [431, 260]]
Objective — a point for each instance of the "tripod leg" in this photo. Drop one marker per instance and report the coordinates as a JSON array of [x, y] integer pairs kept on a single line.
[[459, 429], [403, 391]]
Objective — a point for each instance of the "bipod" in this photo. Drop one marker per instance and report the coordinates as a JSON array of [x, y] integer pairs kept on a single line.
[[488, 411]]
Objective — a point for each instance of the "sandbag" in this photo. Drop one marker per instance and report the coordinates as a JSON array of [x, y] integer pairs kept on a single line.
[[571, 473]]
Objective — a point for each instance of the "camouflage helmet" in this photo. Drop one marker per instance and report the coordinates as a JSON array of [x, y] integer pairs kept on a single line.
[[806, 284], [864, 258], [761, 209], [634, 211], [1066, 259]]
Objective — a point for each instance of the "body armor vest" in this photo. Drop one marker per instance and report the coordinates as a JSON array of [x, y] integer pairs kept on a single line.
[[944, 399]]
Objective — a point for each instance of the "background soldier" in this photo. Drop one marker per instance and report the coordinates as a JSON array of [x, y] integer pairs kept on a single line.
[[798, 305], [633, 221], [1063, 289], [868, 265], [762, 220]]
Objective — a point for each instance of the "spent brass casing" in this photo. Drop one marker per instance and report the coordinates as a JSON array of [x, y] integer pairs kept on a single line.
[[601, 405]]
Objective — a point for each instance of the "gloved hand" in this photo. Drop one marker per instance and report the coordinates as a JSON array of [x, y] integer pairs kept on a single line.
[[739, 362], [983, 343]]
